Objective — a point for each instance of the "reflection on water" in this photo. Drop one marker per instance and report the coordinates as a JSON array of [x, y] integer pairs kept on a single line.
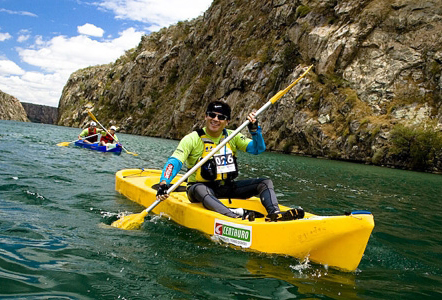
[[56, 204]]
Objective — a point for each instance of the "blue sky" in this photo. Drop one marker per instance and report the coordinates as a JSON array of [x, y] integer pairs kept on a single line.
[[42, 42]]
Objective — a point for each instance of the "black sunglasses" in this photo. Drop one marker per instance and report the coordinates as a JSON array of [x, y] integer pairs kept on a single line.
[[214, 115]]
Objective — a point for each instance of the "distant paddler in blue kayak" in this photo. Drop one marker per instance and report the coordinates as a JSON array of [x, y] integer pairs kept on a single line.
[[215, 178], [90, 134], [109, 133], [108, 137]]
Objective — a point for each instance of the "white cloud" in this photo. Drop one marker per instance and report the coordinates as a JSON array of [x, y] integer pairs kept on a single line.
[[14, 12], [40, 88], [90, 29], [63, 54], [4, 36], [155, 12], [8, 67], [24, 35], [59, 58], [30, 87], [38, 41], [23, 38]]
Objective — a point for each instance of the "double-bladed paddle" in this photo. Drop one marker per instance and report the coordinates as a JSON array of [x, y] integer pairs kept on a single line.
[[135, 221], [65, 144]]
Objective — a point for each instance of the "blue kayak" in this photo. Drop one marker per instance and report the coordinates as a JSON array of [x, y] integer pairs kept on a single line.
[[114, 148]]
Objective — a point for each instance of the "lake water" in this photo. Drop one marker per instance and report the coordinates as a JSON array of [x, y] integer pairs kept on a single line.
[[55, 242]]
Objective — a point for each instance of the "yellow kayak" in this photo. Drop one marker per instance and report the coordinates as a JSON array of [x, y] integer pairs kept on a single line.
[[334, 241]]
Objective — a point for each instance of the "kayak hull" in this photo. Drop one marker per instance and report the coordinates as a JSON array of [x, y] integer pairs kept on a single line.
[[116, 148], [335, 241]]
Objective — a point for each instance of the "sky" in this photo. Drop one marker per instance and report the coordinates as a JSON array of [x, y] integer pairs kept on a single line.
[[42, 42]]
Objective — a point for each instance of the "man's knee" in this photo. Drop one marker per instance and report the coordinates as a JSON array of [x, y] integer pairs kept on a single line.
[[196, 192], [265, 184]]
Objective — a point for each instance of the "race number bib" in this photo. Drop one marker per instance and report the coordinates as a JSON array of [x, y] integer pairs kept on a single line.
[[224, 163]]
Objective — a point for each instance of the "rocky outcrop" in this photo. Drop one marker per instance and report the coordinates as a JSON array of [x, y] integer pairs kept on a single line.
[[373, 96], [41, 113], [11, 108]]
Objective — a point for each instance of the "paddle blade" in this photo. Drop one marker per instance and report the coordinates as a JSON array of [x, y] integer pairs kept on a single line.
[[63, 144], [133, 153], [131, 222], [128, 152], [92, 116], [283, 92]]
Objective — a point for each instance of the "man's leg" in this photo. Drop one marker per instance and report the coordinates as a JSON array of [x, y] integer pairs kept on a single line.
[[199, 192], [247, 188]]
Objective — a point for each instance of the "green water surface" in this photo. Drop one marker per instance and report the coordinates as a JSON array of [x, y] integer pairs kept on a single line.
[[55, 242]]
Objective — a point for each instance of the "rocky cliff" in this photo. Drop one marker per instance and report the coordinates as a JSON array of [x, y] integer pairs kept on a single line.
[[11, 108], [41, 113], [373, 96]]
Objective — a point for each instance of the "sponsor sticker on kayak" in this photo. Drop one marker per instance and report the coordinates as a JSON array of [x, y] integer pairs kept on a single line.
[[236, 234]]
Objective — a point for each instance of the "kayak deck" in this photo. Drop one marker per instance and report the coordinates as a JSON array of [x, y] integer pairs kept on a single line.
[[336, 241], [116, 148]]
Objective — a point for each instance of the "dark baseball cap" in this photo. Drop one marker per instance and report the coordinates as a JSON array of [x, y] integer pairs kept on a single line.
[[219, 107]]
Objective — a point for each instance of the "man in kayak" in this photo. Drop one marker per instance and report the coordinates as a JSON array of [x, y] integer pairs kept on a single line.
[[215, 178], [92, 132], [106, 138]]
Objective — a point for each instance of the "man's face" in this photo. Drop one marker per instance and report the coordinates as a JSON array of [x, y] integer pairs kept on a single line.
[[213, 123]]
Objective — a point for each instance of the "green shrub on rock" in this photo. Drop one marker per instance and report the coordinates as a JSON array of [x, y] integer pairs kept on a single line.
[[416, 146]]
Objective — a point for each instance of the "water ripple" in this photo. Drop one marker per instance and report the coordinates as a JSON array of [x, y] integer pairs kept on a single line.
[[56, 205]]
